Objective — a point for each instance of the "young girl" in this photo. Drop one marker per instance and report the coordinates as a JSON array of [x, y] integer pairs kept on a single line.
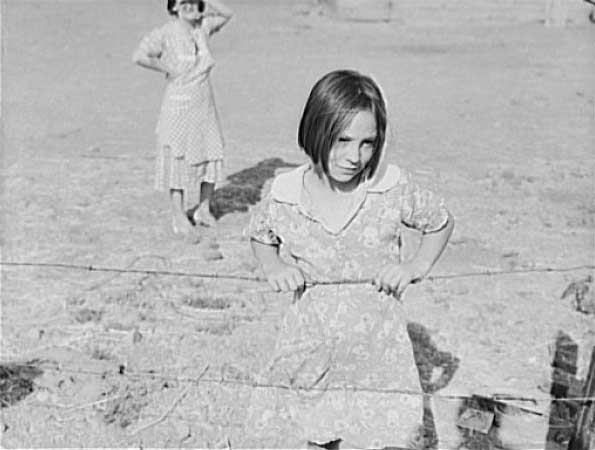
[[342, 346], [190, 143]]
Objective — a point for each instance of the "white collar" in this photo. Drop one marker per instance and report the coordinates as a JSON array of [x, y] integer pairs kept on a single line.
[[287, 187]]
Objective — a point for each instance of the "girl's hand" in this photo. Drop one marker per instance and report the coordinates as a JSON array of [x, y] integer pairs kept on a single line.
[[285, 277], [394, 278]]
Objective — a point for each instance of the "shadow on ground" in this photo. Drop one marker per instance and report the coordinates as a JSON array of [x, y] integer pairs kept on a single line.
[[427, 359], [571, 423], [245, 187]]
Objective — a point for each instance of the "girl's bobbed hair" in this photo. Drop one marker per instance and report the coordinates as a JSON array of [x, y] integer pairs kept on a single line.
[[333, 102]]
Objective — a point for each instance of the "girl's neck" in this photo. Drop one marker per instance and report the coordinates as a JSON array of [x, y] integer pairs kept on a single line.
[[333, 207], [321, 182]]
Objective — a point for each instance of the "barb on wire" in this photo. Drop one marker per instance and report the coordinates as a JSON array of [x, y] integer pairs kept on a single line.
[[128, 266]]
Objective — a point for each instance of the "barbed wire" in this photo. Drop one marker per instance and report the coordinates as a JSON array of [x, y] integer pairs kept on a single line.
[[239, 277], [258, 385], [121, 371]]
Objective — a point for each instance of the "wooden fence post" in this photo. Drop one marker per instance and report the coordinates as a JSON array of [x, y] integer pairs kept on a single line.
[[583, 437]]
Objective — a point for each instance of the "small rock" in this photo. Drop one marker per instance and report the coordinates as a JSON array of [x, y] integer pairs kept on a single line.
[[507, 174], [42, 396], [212, 255], [510, 254]]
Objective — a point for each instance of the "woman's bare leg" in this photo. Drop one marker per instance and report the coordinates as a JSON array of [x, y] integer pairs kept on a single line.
[[202, 215], [180, 222]]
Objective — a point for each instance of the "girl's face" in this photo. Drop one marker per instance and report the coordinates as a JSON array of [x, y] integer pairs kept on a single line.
[[189, 10], [353, 150]]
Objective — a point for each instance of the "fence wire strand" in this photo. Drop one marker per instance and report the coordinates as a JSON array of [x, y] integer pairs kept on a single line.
[[240, 277], [258, 385], [250, 278]]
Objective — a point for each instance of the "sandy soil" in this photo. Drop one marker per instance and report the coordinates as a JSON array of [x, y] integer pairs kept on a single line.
[[500, 117]]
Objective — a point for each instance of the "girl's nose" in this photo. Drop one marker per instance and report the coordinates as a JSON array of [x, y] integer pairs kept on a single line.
[[352, 154]]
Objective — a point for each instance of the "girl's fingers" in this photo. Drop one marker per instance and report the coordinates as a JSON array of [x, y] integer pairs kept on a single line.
[[287, 281], [291, 283], [298, 278], [392, 281], [402, 286], [280, 285], [378, 280], [388, 287], [274, 284]]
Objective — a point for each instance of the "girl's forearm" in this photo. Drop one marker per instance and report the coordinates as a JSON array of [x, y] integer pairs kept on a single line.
[[266, 255], [431, 247]]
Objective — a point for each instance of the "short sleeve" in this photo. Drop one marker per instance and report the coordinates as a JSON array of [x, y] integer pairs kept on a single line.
[[260, 227], [421, 208], [152, 43]]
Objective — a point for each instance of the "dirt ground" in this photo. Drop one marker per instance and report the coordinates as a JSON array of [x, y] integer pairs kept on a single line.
[[500, 118]]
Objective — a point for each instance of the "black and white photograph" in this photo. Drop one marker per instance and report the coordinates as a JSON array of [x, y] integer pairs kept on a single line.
[[307, 224]]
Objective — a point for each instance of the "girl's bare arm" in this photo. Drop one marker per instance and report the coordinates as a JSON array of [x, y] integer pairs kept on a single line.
[[395, 278], [280, 275], [431, 247]]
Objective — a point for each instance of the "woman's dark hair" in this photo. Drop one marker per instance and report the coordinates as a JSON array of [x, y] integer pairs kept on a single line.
[[171, 4], [333, 102]]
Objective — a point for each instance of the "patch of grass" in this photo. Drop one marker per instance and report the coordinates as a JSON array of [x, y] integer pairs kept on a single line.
[[84, 315], [218, 329], [16, 381], [207, 302], [102, 354], [125, 410]]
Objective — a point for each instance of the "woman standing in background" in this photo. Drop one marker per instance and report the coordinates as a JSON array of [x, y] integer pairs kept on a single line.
[[189, 136]]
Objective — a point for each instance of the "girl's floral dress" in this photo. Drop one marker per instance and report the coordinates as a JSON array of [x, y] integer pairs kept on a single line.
[[343, 349]]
